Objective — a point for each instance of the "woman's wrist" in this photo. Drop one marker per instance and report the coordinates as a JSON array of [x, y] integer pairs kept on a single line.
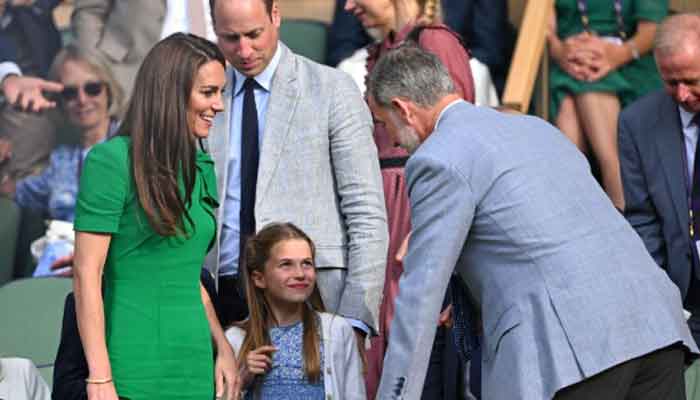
[[222, 346], [620, 54]]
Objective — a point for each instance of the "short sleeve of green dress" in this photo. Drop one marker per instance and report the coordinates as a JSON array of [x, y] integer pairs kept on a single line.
[[157, 333], [629, 82]]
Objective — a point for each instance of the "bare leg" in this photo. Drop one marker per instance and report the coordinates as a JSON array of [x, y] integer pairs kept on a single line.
[[598, 113], [568, 122]]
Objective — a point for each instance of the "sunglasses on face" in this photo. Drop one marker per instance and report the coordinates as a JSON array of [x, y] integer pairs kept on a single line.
[[91, 89]]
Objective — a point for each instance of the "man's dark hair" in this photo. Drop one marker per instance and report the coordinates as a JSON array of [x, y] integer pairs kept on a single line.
[[268, 7]]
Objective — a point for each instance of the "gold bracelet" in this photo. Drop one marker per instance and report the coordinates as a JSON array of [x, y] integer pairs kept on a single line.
[[98, 381]]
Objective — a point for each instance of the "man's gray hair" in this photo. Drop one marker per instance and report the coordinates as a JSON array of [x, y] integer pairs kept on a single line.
[[676, 32], [411, 73]]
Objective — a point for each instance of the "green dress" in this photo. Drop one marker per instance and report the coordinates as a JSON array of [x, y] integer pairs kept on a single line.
[[157, 333], [629, 82]]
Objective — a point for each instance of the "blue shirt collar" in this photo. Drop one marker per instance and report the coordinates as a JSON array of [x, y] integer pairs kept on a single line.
[[264, 79], [686, 118]]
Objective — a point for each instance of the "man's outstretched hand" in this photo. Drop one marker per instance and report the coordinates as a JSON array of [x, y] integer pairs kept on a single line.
[[27, 92]]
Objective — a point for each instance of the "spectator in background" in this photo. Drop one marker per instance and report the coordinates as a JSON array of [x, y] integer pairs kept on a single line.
[[30, 40], [124, 31], [602, 57], [483, 24], [90, 102], [417, 21], [658, 137]]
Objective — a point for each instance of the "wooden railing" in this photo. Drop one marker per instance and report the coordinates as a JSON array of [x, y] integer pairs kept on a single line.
[[528, 55]]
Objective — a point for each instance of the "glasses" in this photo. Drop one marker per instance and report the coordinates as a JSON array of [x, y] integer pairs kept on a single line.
[[91, 89]]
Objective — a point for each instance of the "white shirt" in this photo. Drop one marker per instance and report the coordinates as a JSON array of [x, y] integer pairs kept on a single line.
[[690, 139], [177, 20], [7, 68]]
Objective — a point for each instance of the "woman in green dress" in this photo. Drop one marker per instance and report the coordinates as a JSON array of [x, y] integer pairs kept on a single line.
[[602, 62], [144, 223]]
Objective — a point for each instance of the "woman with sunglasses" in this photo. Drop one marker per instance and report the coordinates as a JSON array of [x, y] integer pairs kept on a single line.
[[89, 103]]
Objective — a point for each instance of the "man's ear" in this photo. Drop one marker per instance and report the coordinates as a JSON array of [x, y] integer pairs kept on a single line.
[[403, 108], [407, 111], [258, 279], [275, 15]]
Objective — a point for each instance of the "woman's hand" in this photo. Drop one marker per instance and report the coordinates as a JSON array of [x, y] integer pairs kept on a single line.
[[102, 391], [257, 362], [598, 56], [571, 57], [226, 374]]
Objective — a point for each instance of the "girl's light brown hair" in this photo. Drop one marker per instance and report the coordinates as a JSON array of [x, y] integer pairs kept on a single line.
[[257, 253]]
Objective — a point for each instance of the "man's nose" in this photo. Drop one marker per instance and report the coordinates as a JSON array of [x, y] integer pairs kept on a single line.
[[245, 48], [682, 92]]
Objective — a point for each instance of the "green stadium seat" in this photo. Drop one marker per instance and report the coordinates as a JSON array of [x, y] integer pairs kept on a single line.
[[305, 37], [9, 215], [31, 311]]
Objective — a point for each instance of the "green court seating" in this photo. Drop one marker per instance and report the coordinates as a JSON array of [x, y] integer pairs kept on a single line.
[[31, 311], [305, 37]]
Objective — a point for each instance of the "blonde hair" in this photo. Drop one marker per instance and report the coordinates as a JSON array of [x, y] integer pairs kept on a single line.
[[115, 93], [257, 253]]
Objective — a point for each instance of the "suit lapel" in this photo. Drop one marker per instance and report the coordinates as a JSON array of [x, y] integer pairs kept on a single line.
[[284, 93], [668, 134], [218, 141]]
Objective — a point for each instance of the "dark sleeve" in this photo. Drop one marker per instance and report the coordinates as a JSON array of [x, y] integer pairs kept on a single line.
[[487, 32], [345, 35], [70, 368], [8, 51], [640, 210]]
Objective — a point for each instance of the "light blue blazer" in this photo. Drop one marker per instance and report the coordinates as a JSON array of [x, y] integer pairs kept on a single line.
[[565, 286]]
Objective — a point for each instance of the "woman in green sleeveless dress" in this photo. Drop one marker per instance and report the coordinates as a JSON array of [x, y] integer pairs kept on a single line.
[[601, 62], [144, 223]]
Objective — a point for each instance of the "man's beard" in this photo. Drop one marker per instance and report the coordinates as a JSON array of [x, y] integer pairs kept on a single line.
[[408, 138]]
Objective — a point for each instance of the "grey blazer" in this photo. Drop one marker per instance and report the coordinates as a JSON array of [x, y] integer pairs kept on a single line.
[[565, 286], [319, 170], [653, 176]]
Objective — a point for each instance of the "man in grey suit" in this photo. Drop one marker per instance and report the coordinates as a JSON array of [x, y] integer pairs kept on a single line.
[[317, 168], [573, 307], [658, 138]]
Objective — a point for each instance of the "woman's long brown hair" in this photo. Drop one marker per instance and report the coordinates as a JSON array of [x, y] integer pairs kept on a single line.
[[163, 148], [257, 252]]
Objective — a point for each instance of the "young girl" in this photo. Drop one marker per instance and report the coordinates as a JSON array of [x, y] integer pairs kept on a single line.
[[289, 347]]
